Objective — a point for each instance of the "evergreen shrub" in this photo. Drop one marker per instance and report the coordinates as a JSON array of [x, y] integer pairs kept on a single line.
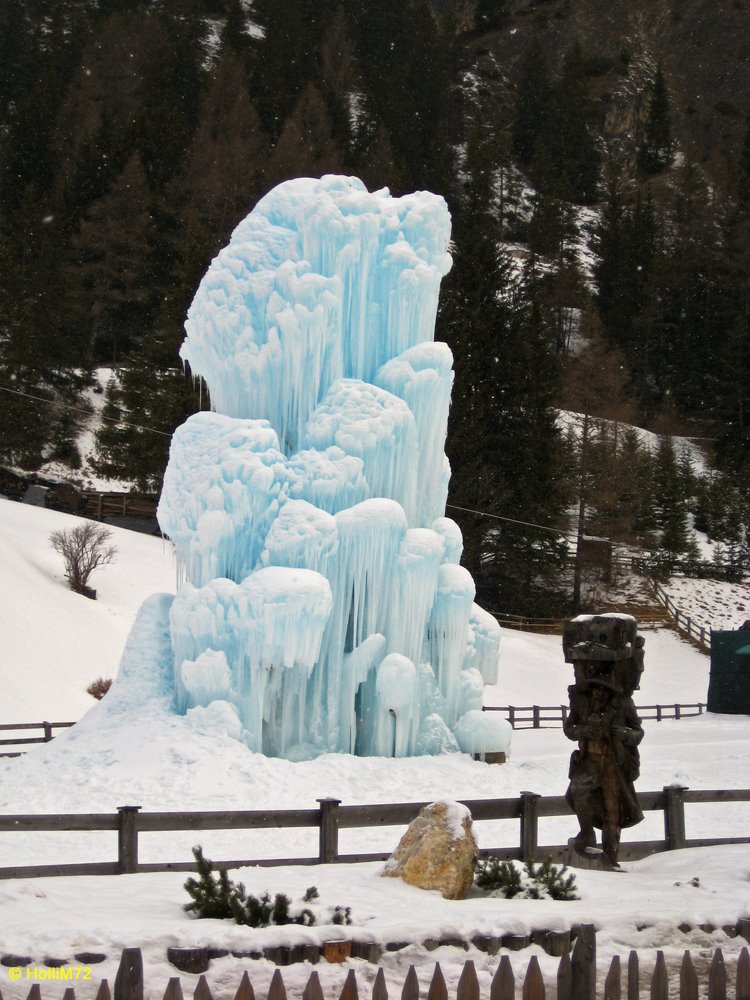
[[510, 878]]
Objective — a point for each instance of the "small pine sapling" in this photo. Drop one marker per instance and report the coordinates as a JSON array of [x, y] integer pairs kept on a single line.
[[221, 898], [554, 880], [211, 898], [532, 882], [494, 875], [341, 915]]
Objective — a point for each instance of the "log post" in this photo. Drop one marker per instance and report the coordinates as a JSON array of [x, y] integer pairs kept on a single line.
[[127, 839], [529, 825], [536, 717], [47, 731], [674, 816], [329, 831]]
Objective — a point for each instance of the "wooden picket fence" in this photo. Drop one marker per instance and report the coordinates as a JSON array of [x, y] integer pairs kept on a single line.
[[575, 980]]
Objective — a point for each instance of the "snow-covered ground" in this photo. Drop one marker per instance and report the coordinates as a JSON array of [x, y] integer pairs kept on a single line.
[[130, 749], [716, 604], [89, 414]]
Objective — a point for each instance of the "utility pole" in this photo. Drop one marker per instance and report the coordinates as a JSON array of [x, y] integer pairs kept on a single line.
[[581, 514]]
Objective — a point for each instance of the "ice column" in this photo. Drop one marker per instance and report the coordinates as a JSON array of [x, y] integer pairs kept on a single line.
[[321, 605]]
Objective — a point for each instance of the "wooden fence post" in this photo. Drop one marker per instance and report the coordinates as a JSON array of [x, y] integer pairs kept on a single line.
[[277, 989], [536, 716], [533, 984], [583, 963], [743, 976], [47, 732], [529, 825], [329, 830], [564, 978], [129, 978], [503, 986], [512, 716], [410, 989], [612, 984], [379, 988], [437, 989], [634, 986], [468, 983], [659, 980], [688, 979], [127, 839], [674, 816], [717, 977]]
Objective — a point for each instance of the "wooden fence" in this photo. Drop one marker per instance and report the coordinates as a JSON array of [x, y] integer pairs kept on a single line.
[[684, 623], [331, 817], [101, 505], [554, 626], [575, 979], [519, 716], [45, 727], [554, 716]]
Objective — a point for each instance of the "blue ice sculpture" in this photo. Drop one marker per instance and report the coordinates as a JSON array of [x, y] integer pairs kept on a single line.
[[321, 600]]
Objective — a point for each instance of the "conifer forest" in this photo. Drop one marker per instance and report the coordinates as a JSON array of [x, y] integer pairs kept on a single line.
[[596, 162]]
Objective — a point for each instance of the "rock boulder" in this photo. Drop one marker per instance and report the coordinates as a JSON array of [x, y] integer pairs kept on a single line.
[[438, 851]]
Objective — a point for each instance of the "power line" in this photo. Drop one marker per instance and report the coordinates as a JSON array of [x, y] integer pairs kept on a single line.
[[86, 413], [510, 520], [142, 427]]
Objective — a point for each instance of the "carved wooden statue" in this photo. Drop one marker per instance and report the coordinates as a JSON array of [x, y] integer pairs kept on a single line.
[[607, 656]]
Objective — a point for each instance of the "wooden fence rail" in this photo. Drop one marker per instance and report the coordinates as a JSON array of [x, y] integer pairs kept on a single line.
[[45, 727], [331, 817], [519, 716], [575, 980], [554, 716]]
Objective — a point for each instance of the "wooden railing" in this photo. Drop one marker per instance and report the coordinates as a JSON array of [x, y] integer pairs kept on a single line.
[[554, 716], [684, 623], [45, 727], [101, 505], [575, 979], [554, 626], [519, 716], [332, 816]]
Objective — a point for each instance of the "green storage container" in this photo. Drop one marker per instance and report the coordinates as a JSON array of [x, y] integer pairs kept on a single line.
[[729, 683]]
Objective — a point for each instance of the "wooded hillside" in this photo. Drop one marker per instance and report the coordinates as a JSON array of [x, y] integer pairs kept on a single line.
[[597, 166]]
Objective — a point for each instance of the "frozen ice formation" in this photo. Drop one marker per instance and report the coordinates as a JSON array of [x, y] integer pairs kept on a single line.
[[321, 606]]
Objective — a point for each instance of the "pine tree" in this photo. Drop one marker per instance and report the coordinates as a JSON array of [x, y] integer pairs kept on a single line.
[[502, 443], [669, 500], [225, 167], [533, 109], [112, 247], [656, 150]]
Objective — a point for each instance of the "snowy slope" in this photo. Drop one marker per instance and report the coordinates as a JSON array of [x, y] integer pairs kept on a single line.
[[55, 642], [130, 749]]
